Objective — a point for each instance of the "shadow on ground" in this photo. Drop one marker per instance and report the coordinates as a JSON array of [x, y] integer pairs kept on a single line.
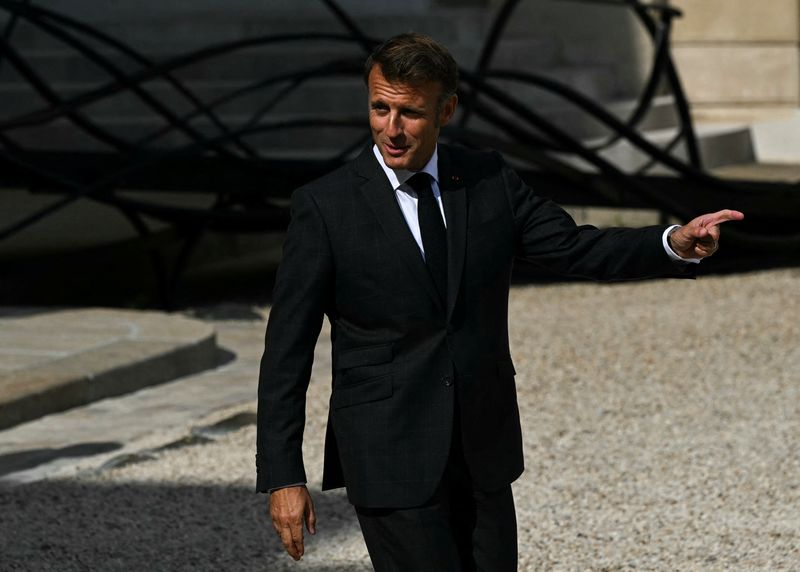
[[121, 275], [22, 460], [68, 525]]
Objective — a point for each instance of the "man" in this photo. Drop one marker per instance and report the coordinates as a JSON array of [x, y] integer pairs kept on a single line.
[[408, 251]]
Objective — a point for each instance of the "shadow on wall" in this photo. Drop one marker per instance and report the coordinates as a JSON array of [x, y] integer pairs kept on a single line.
[[596, 48], [65, 526]]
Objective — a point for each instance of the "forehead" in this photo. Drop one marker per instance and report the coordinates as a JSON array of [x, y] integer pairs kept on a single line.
[[384, 89]]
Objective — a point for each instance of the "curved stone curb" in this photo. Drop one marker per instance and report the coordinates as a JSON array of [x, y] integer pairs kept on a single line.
[[54, 360]]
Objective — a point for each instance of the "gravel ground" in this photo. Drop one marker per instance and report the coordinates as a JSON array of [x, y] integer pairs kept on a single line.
[[661, 424]]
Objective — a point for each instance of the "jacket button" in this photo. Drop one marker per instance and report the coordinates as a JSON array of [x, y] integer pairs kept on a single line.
[[448, 380]]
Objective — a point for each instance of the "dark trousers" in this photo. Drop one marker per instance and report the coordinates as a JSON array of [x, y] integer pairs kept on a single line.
[[459, 529]]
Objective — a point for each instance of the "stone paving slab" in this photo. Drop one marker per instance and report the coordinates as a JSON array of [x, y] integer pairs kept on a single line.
[[122, 429], [53, 360]]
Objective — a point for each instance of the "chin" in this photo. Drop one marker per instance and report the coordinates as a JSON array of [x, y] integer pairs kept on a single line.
[[398, 164], [401, 162]]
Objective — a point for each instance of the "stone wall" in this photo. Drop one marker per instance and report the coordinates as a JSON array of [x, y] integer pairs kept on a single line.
[[739, 59], [565, 34]]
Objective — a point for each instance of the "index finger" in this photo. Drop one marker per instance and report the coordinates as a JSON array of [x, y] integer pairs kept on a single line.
[[719, 217]]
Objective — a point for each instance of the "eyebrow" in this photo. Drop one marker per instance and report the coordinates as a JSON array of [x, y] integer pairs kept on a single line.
[[406, 108]]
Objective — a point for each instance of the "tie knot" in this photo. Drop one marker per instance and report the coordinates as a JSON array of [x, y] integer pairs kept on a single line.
[[421, 183]]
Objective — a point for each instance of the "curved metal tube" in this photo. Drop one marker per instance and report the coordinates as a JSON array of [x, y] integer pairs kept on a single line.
[[524, 133]]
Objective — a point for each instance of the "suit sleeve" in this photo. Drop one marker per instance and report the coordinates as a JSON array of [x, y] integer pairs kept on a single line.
[[547, 235], [303, 287]]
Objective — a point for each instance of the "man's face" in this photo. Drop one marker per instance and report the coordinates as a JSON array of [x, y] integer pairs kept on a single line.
[[405, 120]]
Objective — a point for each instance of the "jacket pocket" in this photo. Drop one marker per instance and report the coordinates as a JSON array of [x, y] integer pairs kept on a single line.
[[372, 389], [505, 368], [368, 355]]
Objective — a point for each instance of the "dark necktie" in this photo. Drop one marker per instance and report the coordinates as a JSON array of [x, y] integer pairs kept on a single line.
[[434, 235]]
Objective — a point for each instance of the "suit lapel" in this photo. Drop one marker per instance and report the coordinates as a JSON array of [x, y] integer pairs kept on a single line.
[[380, 196], [454, 199]]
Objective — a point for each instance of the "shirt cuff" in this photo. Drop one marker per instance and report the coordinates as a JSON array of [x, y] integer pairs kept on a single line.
[[287, 486], [671, 253]]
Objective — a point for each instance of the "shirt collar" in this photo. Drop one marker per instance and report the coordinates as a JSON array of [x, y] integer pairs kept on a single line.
[[399, 176]]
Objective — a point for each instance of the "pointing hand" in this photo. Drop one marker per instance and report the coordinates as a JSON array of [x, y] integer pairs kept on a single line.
[[700, 237]]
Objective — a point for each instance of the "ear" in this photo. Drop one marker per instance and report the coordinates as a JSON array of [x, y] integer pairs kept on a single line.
[[448, 109]]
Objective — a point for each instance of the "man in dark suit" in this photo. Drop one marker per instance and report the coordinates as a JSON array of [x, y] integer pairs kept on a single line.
[[408, 251]]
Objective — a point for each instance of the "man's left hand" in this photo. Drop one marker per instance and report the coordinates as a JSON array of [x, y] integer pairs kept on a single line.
[[700, 237]]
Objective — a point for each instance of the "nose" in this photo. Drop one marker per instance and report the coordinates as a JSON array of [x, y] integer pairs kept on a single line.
[[394, 128]]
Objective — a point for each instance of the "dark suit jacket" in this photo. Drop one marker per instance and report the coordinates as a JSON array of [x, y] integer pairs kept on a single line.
[[403, 360]]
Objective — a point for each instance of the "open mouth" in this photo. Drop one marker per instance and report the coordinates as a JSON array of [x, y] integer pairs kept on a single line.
[[394, 151]]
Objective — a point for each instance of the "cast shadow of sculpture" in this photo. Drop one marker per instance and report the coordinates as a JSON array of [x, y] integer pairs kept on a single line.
[[93, 525], [23, 460]]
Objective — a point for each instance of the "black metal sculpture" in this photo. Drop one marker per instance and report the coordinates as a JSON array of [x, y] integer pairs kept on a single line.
[[226, 165]]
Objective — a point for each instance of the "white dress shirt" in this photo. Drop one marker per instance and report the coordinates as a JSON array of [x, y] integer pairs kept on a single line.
[[407, 199]]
